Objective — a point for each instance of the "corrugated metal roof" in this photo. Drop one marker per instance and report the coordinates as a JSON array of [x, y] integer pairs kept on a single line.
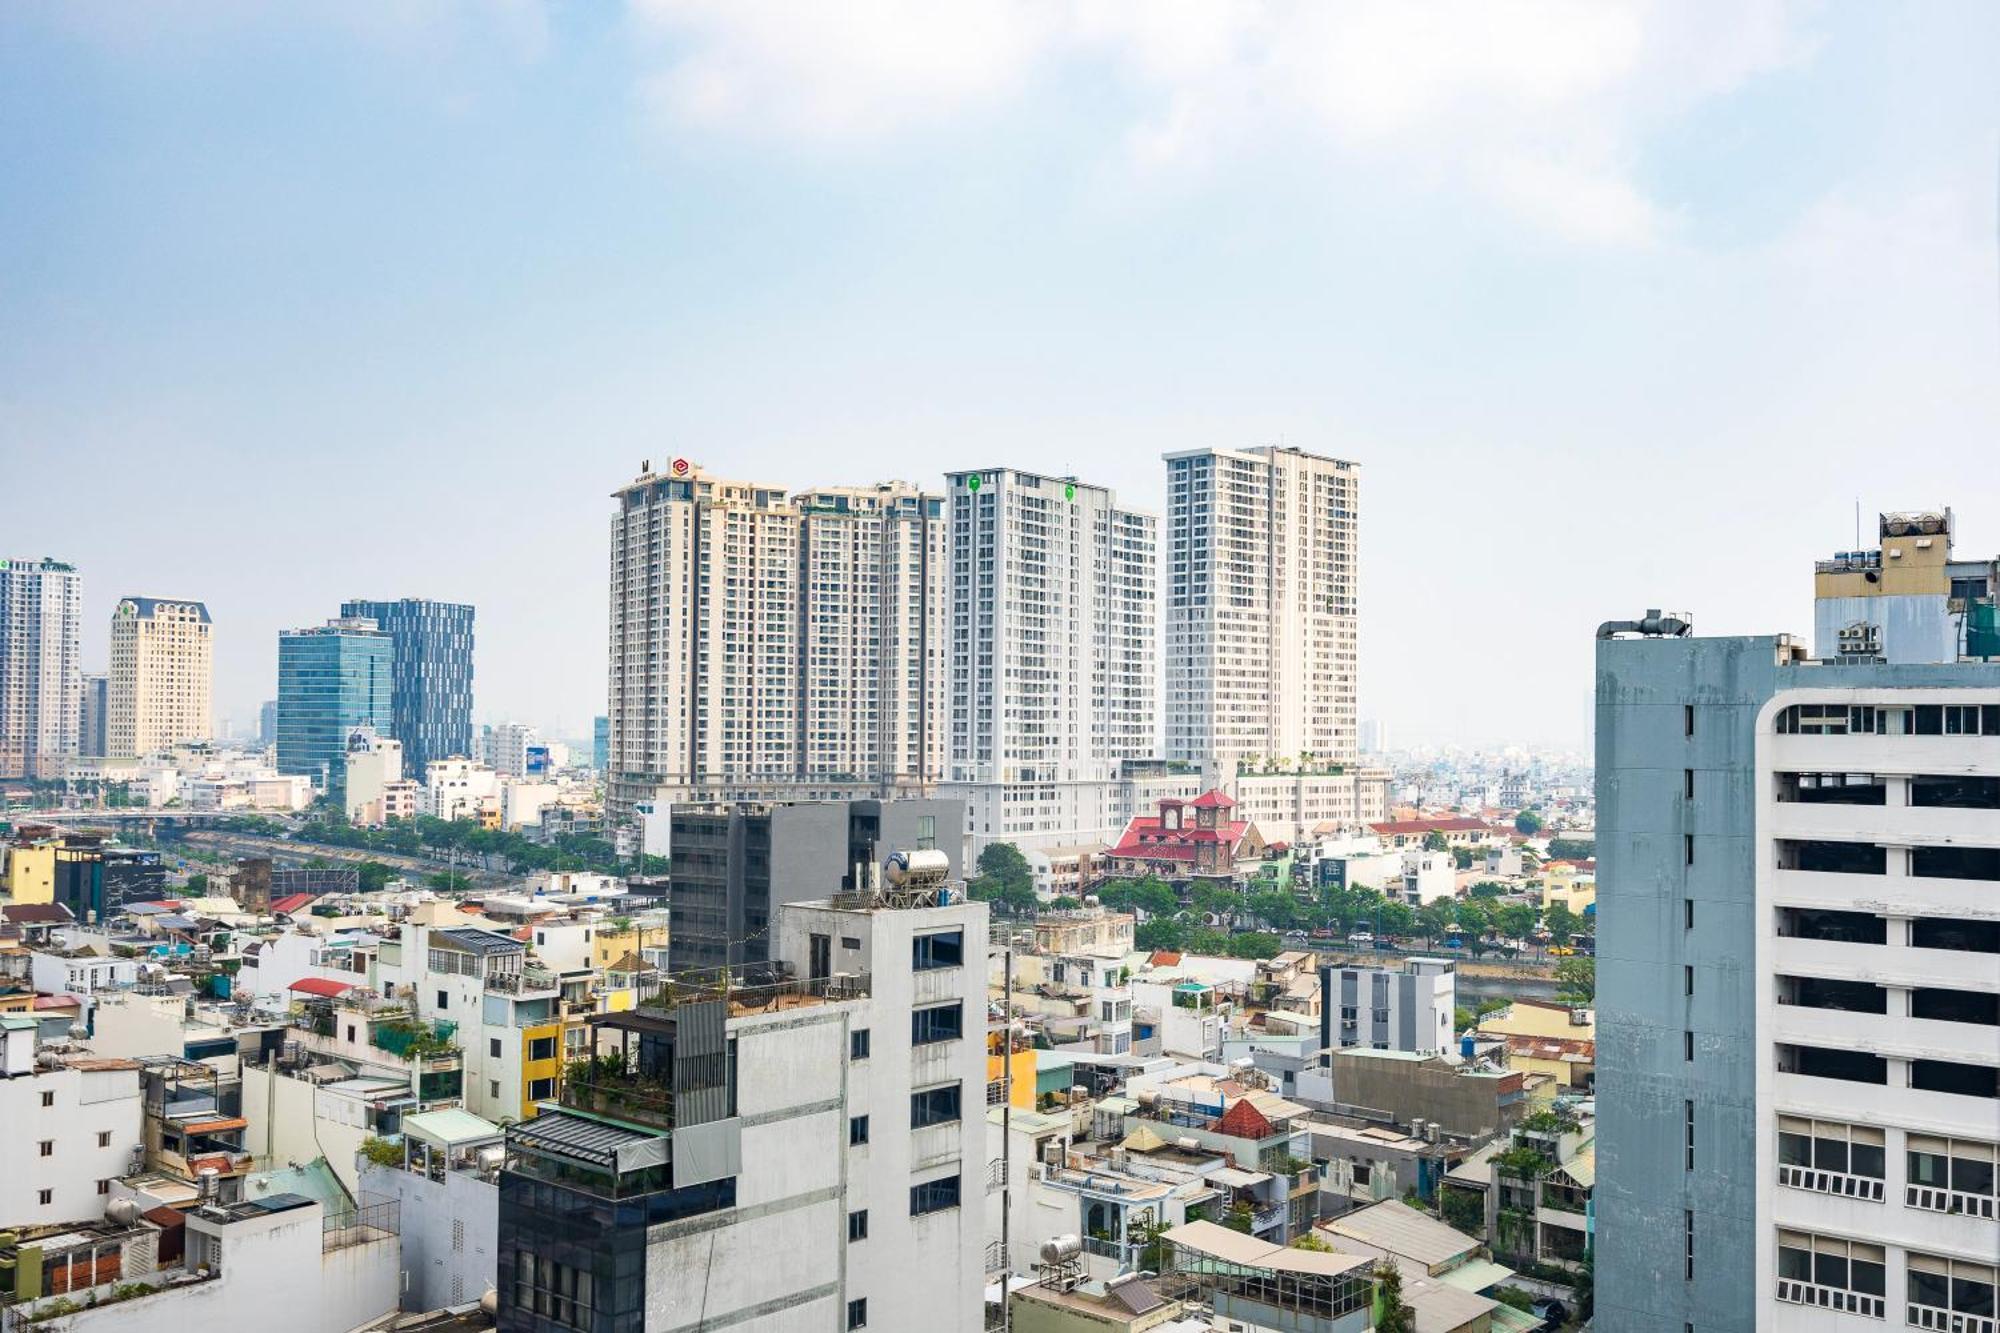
[[449, 1126], [473, 940], [577, 1136], [1401, 1230]]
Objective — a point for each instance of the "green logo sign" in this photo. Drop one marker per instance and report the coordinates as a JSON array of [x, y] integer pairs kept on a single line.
[[1069, 491], [972, 483]]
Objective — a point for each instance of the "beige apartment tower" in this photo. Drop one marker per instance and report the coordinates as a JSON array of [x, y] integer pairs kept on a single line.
[[162, 686], [765, 644], [1261, 608]]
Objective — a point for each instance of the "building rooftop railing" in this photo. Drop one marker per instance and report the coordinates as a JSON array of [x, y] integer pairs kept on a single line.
[[749, 991]]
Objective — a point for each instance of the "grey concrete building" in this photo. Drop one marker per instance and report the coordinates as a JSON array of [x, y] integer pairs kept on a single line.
[[1797, 978], [734, 865], [1389, 1009]]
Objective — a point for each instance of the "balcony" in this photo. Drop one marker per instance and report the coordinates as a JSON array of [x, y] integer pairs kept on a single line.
[[604, 1085], [1794, 1292]]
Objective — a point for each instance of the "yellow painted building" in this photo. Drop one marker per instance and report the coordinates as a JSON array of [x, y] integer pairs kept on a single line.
[[1020, 1068], [609, 947], [1547, 1038], [545, 1072], [31, 873], [1565, 886]]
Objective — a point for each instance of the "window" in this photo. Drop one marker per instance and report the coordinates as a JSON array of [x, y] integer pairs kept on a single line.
[[1687, 847], [541, 1089], [1687, 1238], [1687, 783], [493, 1088], [48, 1099], [104, 1138], [857, 1131], [1687, 719], [493, 1047], [1687, 979], [444, 1000], [942, 1022], [857, 1044], [1939, 1285], [557, 1292], [350, 1034], [104, 1187], [542, 1048], [857, 1224], [850, 942], [857, 1313], [1689, 1104], [1831, 1157], [933, 1196], [48, 1147], [1687, 1046], [934, 1106], [1687, 906], [46, 1197], [944, 949], [1831, 1273]]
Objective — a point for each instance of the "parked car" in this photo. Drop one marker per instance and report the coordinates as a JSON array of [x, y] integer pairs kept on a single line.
[[1385, 942], [1361, 939]]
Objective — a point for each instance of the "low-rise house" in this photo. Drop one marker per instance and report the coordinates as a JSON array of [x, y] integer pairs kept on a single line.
[[1530, 1195], [444, 1179], [73, 1122]]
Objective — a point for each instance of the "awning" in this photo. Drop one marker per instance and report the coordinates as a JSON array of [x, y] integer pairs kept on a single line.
[[320, 986], [216, 1125], [1237, 1179]]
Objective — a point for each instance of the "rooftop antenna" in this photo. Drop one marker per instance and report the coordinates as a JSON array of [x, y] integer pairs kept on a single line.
[[1857, 522]]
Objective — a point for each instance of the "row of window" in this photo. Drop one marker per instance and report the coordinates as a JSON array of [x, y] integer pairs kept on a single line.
[[1852, 1276]]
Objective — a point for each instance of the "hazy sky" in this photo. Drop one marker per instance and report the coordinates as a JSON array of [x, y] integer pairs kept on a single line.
[[1618, 305]]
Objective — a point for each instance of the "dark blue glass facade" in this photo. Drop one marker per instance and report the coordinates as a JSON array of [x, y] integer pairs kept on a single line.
[[431, 695]]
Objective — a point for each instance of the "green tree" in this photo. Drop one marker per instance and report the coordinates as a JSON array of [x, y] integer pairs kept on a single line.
[[1571, 849], [1435, 841], [1576, 980], [1398, 918], [1562, 924], [374, 876], [197, 885], [1279, 911], [1064, 905], [1516, 921], [1461, 858], [1255, 944], [1488, 888], [1003, 861], [449, 881], [1391, 1315], [1162, 932], [1214, 900], [1528, 823], [1435, 919], [1208, 940]]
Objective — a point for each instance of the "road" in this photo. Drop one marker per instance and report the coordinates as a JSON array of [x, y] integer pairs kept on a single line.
[[287, 851]]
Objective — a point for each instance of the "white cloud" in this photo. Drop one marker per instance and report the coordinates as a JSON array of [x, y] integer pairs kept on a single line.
[[1538, 106]]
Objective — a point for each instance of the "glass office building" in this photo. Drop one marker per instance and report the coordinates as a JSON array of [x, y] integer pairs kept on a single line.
[[431, 676], [331, 680]]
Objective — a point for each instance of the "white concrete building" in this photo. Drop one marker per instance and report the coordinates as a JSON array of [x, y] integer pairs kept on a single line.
[[71, 1128], [1407, 1008], [821, 1162], [162, 686], [459, 788], [504, 747], [276, 1261], [1878, 1011], [41, 672], [1053, 651], [1427, 876], [374, 762], [1262, 575]]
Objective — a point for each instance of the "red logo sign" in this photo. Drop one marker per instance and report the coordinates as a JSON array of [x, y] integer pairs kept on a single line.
[[681, 467]]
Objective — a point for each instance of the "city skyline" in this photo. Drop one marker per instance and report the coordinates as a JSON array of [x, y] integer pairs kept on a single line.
[[1663, 270]]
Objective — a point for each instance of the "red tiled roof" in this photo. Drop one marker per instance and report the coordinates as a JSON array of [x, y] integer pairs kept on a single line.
[[320, 986], [1165, 958], [35, 914], [1396, 827], [291, 902], [1144, 837], [57, 1002], [1212, 800]]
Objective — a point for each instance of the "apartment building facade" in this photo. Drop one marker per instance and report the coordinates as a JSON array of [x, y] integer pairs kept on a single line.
[[41, 675], [806, 1146], [1799, 983], [764, 645], [162, 680], [1261, 607]]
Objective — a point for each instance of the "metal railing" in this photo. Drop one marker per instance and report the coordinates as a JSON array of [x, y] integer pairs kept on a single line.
[[622, 1097], [358, 1226], [750, 994]]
